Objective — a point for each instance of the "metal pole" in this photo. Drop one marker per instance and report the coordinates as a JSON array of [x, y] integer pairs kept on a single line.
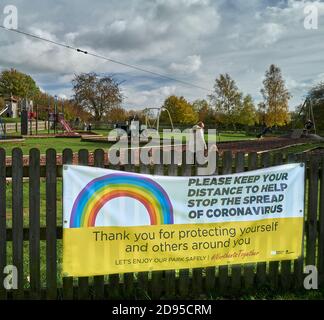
[[55, 113], [36, 119]]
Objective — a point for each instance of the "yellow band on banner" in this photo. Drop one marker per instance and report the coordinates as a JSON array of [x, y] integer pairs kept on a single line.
[[108, 250]]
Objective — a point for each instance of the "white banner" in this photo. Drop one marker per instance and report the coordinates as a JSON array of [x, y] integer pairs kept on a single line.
[[276, 192]]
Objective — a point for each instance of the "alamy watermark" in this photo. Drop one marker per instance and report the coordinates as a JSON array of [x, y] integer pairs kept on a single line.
[[149, 147], [10, 279], [311, 17], [311, 280], [10, 18]]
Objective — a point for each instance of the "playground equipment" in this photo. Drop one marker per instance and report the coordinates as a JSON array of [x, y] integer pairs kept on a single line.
[[264, 131], [27, 115], [133, 127], [11, 110], [3, 134], [55, 118], [64, 123], [2, 127], [309, 129], [153, 122], [309, 121], [309, 124]]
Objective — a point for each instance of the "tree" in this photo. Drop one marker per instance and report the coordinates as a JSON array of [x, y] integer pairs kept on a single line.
[[316, 97], [13, 82], [96, 95], [276, 97], [72, 110], [2, 103], [247, 116], [201, 107], [116, 114], [226, 99], [261, 113], [181, 111]]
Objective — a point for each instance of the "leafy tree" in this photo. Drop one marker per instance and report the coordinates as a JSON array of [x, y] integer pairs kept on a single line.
[[116, 114], [276, 97], [13, 82], [261, 113], [181, 111], [201, 107], [226, 99], [46, 102], [2, 103], [247, 116], [96, 95], [73, 110]]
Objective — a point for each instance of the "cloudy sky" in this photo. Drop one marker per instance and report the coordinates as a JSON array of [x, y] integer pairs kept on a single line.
[[191, 40]]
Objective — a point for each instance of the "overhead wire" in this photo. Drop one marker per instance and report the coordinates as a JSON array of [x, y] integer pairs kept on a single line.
[[99, 56]]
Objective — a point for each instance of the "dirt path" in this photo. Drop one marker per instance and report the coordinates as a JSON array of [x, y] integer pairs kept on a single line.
[[263, 144]]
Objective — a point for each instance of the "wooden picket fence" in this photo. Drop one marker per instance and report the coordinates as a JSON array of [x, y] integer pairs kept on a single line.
[[24, 244], [16, 126]]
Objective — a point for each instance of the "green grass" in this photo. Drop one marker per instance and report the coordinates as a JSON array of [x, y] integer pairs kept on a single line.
[[76, 144], [57, 143], [11, 120], [42, 224]]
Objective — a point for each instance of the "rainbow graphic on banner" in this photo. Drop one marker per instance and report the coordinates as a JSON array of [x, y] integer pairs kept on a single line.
[[101, 190]]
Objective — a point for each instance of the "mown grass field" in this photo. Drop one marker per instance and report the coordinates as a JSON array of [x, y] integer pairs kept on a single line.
[[76, 144]]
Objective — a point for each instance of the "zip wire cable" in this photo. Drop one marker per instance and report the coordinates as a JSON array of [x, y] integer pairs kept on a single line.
[[93, 54]]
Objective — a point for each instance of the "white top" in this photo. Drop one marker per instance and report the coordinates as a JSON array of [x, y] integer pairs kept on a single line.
[[197, 135]]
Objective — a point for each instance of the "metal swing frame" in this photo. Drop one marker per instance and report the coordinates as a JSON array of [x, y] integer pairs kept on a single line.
[[156, 121]]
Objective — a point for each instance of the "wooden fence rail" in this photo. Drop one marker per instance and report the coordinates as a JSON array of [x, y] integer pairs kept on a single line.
[[31, 235]]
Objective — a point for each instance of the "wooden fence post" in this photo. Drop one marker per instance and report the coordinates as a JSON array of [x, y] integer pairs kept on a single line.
[[261, 273], [143, 277], [17, 219], [114, 279], [3, 227], [285, 276], [157, 276], [67, 281], [299, 263], [34, 223], [129, 276], [236, 278], [184, 273], [170, 276], [320, 254], [211, 271], [223, 270], [197, 277], [99, 281], [51, 221], [83, 287], [274, 265], [249, 269], [311, 230]]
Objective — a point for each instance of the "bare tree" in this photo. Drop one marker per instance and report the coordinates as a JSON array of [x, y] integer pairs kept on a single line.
[[95, 94]]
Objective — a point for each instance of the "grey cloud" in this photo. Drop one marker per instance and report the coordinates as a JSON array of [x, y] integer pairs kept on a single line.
[[236, 36]]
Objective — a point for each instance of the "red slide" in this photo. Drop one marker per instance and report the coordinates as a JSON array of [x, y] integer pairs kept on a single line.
[[67, 128], [65, 125]]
